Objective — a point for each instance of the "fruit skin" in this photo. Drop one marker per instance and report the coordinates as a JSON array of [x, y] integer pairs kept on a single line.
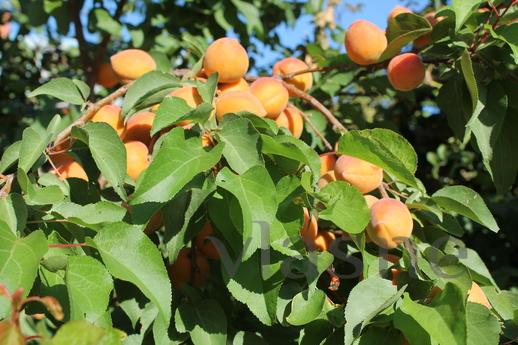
[[476, 295], [273, 96], [326, 179], [236, 101], [391, 223], [227, 57], [240, 85], [324, 240], [131, 64], [290, 65], [370, 200], [425, 40], [111, 114], [181, 271], [67, 167], [309, 228], [397, 10], [137, 158], [106, 76], [361, 174], [365, 42], [205, 244], [406, 72], [327, 162], [291, 118], [138, 127]]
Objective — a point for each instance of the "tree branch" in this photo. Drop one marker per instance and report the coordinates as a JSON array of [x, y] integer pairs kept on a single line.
[[317, 132]]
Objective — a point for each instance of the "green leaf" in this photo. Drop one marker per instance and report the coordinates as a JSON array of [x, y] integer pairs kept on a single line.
[[477, 267], [20, 258], [13, 212], [62, 88], [463, 9], [509, 35], [241, 143], [205, 321], [36, 195], [176, 163], [402, 30], [466, 202], [90, 214], [34, 141], [384, 148], [130, 255], [174, 109], [252, 15], [306, 306], [84, 333], [345, 207], [107, 151], [89, 286], [255, 192], [10, 156], [469, 78], [483, 326], [455, 100], [105, 22]]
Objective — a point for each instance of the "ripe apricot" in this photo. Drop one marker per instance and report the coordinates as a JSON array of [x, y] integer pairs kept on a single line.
[[397, 11], [111, 114], [272, 95], [131, 64], [309, 228], [204, 244], [137, 158], [5, 30], [227, 57], [292, 65], [391, 223], [240, 85], [236, 101], [425, 40], [67, 167], [370, 200], [324, 240], [327, 162], [476, 295], [365, 42], [361, 174], [406, 72], [181, 271], [291, 118], [138, 127], [326, 179], [189, 94], [106, 75]]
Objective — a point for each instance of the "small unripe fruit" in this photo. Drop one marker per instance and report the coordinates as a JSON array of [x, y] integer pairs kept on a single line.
[[365, 42], [227, 57], [327, 162], [397, 11], [237, 101], [138, 127], [240, 85], [326, 179], [291, 65], [181, 271], [106, 76], [291, 118], [476, 295], [359, 173], [137, 158], [309, 228], [406, 72], [391, 223], [272, 95], [67, 167], [111, 114], [131, 64], [204, 244], [324, 240]]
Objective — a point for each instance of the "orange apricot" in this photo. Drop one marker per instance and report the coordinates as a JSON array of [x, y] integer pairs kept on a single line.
[[138, 127], [240, 85], [291, 118], [131, 64], [365, 42], [5, 30], [391, 223], [406, 72], [228, 58], [397, 11], [327, 162], [324, 240], [361, 174], [106, 75], [204, 244], [236, 101], [67, 167], [291, 65], [189, 94], [425, 40], [326, 179], [181, 271], [137, 158], [272, 95], [476, 295], [370, 200], [111, 114], [309, 228]]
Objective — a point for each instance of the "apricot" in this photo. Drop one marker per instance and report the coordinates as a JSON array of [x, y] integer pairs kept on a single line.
[[204, 244], [406, 72], [111, 114], [67, 167], [397, 11], [131, 64], [236, 101], [326, 179], [370, 200], [291, 118], [106, 75], [359, 173], [425, 40], [191, 96], [240, 85], [476, 295], [138, 127], [365, 42], [272, 95], [137, 158], [327, 162], [5, 30], [291, 65], [324, 240], [183, 272], [391, 223], [309, 228], [228, 58]]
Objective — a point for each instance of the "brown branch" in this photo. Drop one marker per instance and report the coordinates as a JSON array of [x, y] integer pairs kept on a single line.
[[317, 132], [383, 191], [67, 245]]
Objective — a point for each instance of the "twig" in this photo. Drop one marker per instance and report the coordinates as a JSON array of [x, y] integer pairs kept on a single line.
[[383, 191], [317, 132], [67, 245]]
